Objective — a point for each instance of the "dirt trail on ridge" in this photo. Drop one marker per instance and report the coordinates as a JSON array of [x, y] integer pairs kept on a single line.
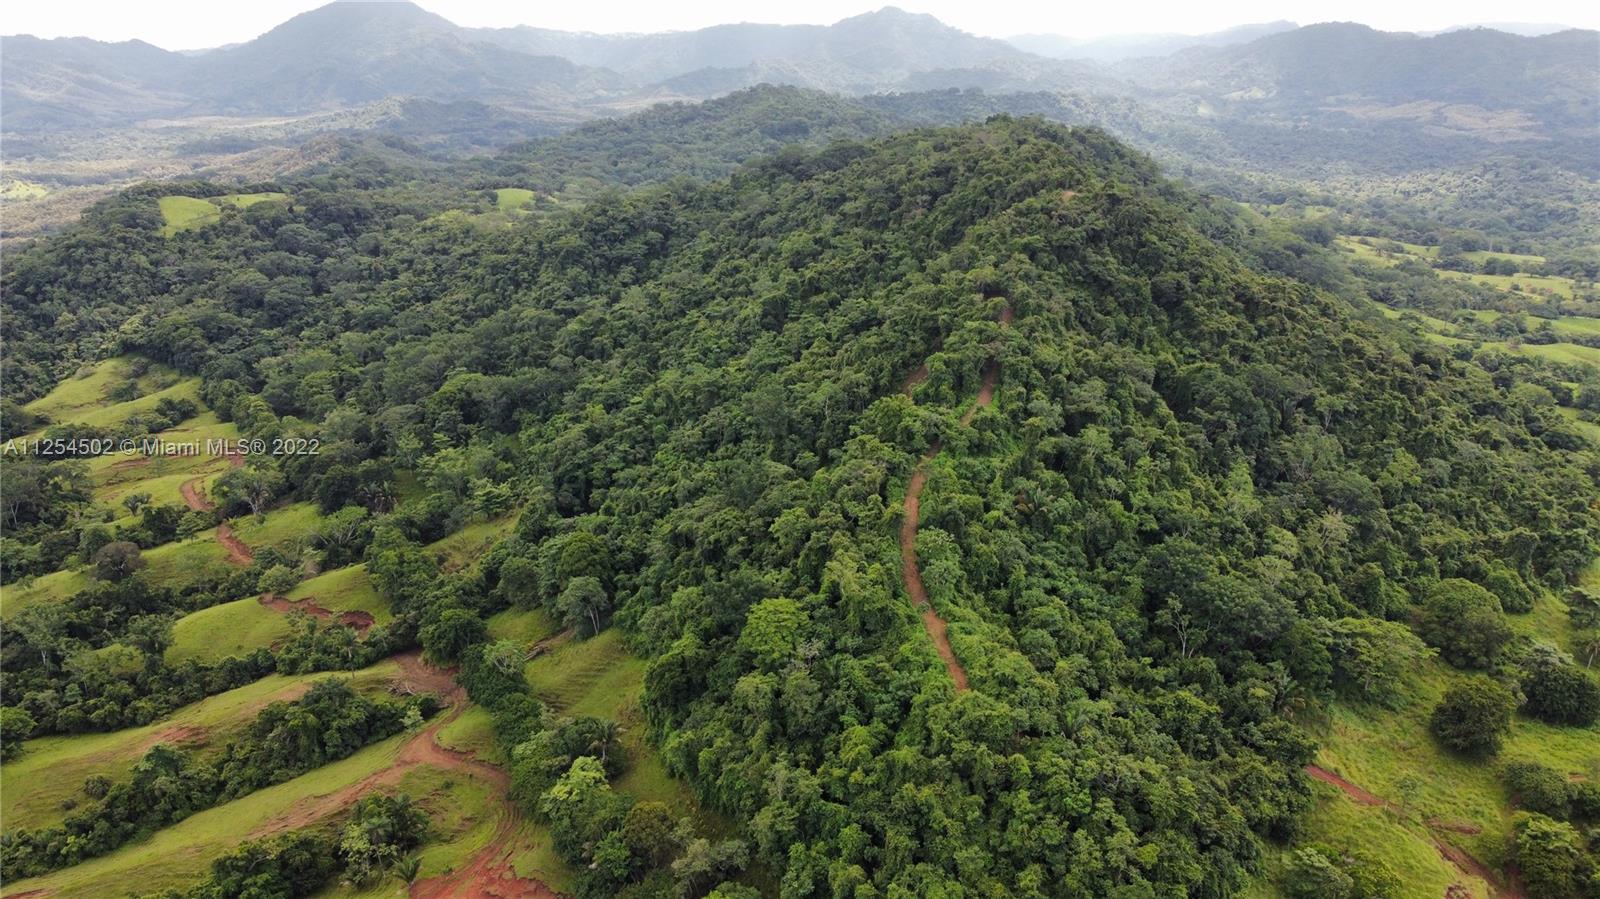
[[910, 572]]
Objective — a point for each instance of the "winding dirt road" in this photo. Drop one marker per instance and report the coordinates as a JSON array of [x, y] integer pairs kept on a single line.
[[488, 874], [239, 553], [910, 571]]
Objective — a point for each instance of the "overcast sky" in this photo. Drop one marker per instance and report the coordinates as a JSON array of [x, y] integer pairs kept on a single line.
[[193, 24]]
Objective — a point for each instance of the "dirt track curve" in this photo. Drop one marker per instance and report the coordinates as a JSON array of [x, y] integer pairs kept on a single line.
[[910, 572], [1463, 860], [239, 553], [488, 874]]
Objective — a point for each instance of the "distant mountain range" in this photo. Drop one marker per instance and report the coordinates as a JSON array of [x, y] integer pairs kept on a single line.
[[82, 117], [1118, 47], [348, 54]]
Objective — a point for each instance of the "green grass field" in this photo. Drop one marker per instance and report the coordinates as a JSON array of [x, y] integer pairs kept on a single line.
[[525, 627], [86, 398], [461, 548], [1528, 284], [1588, 428], [344, 590], [52, 587], [598, 677], [230, 629], [1407, 848], [52, 769], [280, 527], [183, 213], [180, 855], [1374, 250], [512, 199]]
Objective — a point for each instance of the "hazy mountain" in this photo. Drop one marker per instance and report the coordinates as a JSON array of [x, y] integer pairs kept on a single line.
[[347, 53], [889, 49], [1507, 82], [1117, 47], [50, 83]]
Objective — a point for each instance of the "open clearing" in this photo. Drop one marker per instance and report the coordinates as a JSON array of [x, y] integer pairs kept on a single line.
[[183, 213], [52, 769]]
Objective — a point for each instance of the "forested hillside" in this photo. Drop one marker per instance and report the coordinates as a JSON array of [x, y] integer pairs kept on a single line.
[[1172, 492]]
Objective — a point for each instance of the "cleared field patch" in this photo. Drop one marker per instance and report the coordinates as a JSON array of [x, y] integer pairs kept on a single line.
[[1587, 428], [52, 587], [1482, 256], [522, 626], [460, 549], [116, 476], [230, 629], [1391, 754], [1562, 352], [345, 589], [1406, 847], [182, 854], [93, 388], [280, 527], [599, 678], [52, 769], [1528, 284], [183, 213], [512, 199]]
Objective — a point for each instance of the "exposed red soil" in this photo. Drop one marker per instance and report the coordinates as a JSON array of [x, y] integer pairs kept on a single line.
[[239, 552], [193, 498], [910, 571], [1460, 858], [488, 874], [1354, 792], [361, 621]]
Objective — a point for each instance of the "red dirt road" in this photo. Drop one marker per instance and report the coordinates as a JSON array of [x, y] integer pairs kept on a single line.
[[910, 571], [239, 553], [488, 874], [1463, 860], [193, 498], [1351, 790]]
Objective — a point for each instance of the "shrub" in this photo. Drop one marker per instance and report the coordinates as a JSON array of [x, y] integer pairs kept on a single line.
[[1465, 622], [1473, 716], [1562, 694]]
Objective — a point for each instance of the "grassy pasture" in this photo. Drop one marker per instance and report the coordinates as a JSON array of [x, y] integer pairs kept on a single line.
[[513, 199], [344, 590], [182, 854], [52, 769], [184, 213], [598, 677], [86, 398], [524, 627], [459, 549]]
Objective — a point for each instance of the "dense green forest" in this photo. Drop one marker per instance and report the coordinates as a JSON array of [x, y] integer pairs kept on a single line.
[[1213, 493]]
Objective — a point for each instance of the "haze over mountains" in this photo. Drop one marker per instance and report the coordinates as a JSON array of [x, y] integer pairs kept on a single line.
[[82, 114]]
